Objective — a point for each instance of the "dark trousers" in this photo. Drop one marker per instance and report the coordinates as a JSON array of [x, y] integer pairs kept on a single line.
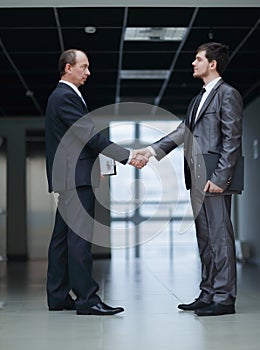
[[69, 256], [216, 245]]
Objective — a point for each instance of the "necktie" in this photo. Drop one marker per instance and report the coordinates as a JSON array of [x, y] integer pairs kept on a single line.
[[195, 108]]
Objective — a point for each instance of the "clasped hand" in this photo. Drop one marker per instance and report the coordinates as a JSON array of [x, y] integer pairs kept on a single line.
[[140, 157], [212, 188]]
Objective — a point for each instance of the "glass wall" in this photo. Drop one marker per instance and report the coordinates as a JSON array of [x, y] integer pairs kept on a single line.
[[152, 204]]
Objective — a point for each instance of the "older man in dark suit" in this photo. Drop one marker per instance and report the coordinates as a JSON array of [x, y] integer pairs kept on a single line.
[[72, 149], [212, 127]]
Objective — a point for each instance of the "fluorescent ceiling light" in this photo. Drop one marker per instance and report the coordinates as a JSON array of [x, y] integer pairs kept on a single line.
[[155, 33], [144, 74]]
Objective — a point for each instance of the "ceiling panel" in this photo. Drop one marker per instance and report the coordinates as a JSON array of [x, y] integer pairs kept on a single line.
[[25, 40], [27, 17], [31, 44], [89, 16], [151, 60], [159, 17], [109, 39], [228, 17]]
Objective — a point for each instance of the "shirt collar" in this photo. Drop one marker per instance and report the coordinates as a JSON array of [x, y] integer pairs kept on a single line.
[[74, 87], [211, 84]]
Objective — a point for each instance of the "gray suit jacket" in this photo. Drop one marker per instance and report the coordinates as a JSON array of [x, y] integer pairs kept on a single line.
[[217, 130]]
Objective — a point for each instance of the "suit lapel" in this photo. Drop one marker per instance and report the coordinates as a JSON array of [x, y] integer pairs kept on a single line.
[[189, 112], [208, 99], [83, 104], [65, 86]]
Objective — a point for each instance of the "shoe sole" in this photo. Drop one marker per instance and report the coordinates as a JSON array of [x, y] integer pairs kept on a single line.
[[219, 314], [97, 313]]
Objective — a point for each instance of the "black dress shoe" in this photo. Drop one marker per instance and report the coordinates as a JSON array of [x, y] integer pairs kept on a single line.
[[216, 309], [197, 304], [100, 309]]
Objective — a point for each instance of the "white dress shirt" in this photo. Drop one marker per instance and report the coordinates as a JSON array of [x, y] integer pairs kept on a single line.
[[208, 89], [74, 87]]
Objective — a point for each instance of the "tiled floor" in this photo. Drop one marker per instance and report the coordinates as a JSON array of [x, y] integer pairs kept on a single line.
[[149, 288]]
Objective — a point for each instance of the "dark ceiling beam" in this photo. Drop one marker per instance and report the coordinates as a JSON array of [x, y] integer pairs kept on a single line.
[[157, 99], [28, 92], [239, 46], [57, 20], [244, 40], [251, 90], [120, 58]]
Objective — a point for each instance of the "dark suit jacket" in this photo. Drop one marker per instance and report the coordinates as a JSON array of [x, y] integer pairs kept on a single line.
[[218, 130], [70, 130]]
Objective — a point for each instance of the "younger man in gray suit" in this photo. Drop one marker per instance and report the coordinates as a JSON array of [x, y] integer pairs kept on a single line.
[[213, 125]]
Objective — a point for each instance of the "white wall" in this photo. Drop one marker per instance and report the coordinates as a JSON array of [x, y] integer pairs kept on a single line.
[[2, 203], [249, 202]]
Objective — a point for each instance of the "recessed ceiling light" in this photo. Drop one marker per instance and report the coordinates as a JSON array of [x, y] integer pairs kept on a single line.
[[29, 93], [144, 74], [155, 33], [90, 30]]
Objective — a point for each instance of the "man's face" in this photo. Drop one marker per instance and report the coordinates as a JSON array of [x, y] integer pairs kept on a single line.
[[201, 66], [80, 71]]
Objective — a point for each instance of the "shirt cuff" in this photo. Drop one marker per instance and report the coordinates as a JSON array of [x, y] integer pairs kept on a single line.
[[130, 157], [150, 148]]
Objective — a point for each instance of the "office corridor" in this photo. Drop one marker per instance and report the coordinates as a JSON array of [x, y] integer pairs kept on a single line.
[[150, 288]]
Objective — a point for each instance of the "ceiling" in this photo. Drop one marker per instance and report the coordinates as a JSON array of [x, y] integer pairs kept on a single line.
[[31, 40]]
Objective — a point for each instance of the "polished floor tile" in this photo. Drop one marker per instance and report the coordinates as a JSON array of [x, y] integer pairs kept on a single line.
[[149, 287]]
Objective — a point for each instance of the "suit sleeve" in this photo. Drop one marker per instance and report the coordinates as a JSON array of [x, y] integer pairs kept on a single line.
[[82, 125], [169, 142], [231, 129], [100, 144]]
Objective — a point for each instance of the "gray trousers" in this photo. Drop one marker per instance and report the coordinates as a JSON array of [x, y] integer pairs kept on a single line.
[[216, 245]]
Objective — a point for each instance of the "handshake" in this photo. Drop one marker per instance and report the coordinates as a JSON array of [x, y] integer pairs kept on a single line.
[[140, 157]]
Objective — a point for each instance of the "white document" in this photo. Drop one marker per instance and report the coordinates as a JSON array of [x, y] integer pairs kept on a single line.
[[107, 165]]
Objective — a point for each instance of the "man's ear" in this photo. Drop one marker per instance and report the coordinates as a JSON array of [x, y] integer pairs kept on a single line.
[[213, 64], [67, 68]]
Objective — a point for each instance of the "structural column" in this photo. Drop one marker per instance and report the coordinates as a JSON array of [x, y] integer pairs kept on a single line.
[[16, 195]]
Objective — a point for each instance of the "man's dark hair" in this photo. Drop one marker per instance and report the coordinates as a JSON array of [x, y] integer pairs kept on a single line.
[[218, 52], [68, 56]]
